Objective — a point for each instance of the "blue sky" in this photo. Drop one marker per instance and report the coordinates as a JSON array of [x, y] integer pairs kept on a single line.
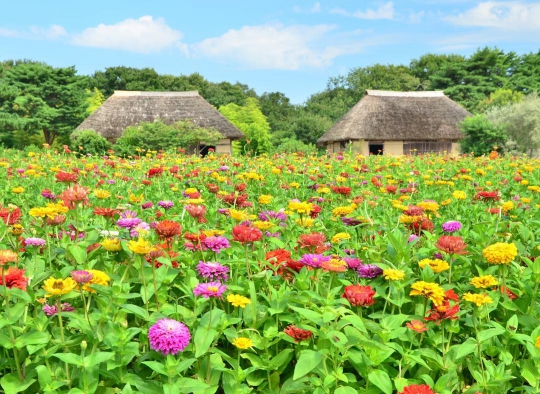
[[287, 46]]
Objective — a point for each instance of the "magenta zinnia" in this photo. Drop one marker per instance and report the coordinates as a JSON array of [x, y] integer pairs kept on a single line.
[[212, 270], [168, 336], [208, 290]]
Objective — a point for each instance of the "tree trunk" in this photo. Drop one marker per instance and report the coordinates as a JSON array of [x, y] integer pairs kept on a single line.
[[49, 136]]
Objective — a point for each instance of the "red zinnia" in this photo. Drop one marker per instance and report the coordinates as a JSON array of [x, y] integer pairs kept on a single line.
[[197, 212], [451, 244], [487, 196], [168, 229], [417, 389], [10, 217], [245, 234], [152, 172], [314, 242], [315, 211], [507, 291], [298, 334], [65, 177], [106, 212], [443, 312], [275, 257], [343, 190], [358, 295], [14, 278]]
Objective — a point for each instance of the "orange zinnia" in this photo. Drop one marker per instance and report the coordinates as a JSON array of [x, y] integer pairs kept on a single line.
[[451, 244], [168, 229]]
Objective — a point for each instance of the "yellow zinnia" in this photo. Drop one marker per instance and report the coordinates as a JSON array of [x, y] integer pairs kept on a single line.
[[393, 274], [339, 237], [429, 290], [238, 300], [500, 253], [478, 299], [242, 343], [56, 287], [436, 265], [141, 246], [102, 194], [99, 278], [483, 282], [111, 244], [265, 199]]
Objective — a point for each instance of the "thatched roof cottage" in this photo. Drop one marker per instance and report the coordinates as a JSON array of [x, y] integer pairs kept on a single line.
[[129, 108], [396, 123]]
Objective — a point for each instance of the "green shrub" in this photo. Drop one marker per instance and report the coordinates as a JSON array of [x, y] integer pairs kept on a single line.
[[292, 145], [160, 136], [88, 141], [481, 136]]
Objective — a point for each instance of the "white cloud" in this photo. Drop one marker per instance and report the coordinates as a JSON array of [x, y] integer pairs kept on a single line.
[[276, 46], [385, 11], [416, 17], [509, 16], [143, 35], [313, 10], [36, 33]]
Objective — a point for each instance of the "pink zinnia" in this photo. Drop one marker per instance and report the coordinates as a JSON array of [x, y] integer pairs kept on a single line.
[[168, 336], [216, 243], [82, 277], [212, 270], [51, 310], [211, 289]]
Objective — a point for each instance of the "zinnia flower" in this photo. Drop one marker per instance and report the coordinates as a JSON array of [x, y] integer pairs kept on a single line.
[[314, 260], [168, 336], [358, 295], [443, 312], [57, 287], [238, 300], [111, 244], [334, 265], [141, 246], [245, 234], [167, 204], [128, 219], [417, 389], [451, 226], [34, 241], [51, 310], [478, 299], [98, 278], [242, 343], [298, 334], [483, 282], [417, 325], [212, 271], [393, 274], [451, 244], [168, 229], [14, 277], [8, 256], [428, 290], [500, 253], [216, 243], [435, 264], [81, 277], [369, 271], [73, 195], [211, 289]]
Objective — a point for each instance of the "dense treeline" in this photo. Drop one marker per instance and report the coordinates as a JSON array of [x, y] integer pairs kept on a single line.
[[39, 103]]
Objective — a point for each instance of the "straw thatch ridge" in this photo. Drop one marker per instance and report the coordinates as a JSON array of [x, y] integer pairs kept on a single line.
[[129, 108], [399, 116]]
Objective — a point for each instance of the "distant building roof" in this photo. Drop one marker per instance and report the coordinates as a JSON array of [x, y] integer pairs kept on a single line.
[[129, 108], [403, 116]]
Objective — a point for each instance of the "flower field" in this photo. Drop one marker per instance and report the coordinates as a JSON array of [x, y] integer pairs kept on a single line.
[[286, 274]]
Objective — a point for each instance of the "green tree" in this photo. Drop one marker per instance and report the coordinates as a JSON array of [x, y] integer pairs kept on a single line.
[[309, 127], [429, 64], [280, 114], [37, 98], [253, 124], [126, 78], [524, 76], [89, 142], [481, 135], [94, 98], [522, 123], [500, 98]]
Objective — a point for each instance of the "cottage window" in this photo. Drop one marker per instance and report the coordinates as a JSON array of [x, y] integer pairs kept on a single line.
[[423, 147]]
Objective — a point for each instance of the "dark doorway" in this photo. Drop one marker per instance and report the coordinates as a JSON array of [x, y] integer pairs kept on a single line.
[[205, 150], [376, 149]]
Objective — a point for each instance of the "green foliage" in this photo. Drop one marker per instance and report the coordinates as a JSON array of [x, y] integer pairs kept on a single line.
[[521, 121], [95, 99], [481, 136], [88, 141], [500, 98], [160, 136], [292, 145], [308, 127], [252, 122], [37, 98]]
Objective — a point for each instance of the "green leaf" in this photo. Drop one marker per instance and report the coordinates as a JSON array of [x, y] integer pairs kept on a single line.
[[97, 358], [203, 339], [12, 385], [345, 390], [309, 314], [307, 362], [78, 253], [465, 348], [156, 366], [187, 385], [282, 358], [70, 358], [492, 332], [136, 310], [381, 379], [31, 338], [127, 389]]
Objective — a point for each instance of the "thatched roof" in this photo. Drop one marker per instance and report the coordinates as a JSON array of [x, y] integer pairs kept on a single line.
[[128, 108], [402, 116]]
